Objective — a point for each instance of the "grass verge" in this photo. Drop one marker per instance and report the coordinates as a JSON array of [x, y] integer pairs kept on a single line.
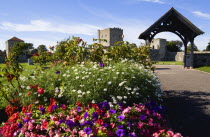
[[169, 63], [204, 69]]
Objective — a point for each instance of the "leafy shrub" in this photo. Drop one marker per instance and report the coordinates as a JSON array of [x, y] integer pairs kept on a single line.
[[76, 50]]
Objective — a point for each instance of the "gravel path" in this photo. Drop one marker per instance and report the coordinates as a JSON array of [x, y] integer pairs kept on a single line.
[[187, 99]]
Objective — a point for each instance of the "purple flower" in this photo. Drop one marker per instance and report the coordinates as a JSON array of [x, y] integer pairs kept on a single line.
[[78, 109], [20, 125], [105, 125], [103, 105], [54, 107], [101, 65], [58, 90], [87, 123], [25, 120], [120, 132], [121, 118], [58, 72], [120, 126], [88, 130], [112, 111], [62, 121], [70, 123], [143, 117], [133, 134], [42, 109], [86, 115], [95, 116]]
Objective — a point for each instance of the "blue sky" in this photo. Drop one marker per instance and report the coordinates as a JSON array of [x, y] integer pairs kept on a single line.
[[49, 21]]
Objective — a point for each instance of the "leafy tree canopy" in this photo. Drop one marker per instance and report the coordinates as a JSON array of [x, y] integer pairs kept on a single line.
[[195, 48], [174, 46], [41, 48], [208, 47]]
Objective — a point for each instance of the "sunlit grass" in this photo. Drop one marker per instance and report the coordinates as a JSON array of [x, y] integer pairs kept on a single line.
[[169, 63], [205, 69]]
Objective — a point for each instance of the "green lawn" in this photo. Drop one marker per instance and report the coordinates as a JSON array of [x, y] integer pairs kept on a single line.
[[169, 63], [205, 69]]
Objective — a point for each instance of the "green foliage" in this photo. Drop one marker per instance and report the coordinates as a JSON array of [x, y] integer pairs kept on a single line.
[[12, 72], [195, 48], [41, 48], [72, 51], [174, 46], [42, 59], [208, 47]]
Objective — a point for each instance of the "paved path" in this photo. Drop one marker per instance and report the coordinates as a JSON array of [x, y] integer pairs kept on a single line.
[[187, 99]]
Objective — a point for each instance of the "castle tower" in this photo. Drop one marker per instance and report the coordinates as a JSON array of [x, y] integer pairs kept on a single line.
[[10, 43], [112, 35]]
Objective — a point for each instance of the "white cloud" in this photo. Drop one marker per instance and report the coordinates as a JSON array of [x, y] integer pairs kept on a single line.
[[154, 1], [201, 14], [41, 25]]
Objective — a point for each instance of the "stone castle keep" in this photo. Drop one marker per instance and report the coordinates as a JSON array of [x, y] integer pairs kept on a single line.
[[112, 35], [10, 43]]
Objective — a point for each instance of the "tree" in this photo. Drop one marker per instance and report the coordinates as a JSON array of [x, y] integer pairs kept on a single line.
[[33, 51], [41, 48], [195, 48], [174, 46], [208, 47]]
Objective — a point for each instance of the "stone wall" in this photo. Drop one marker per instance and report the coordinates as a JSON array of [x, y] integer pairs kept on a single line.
[[104, 34], [201, 59], [169, 56]]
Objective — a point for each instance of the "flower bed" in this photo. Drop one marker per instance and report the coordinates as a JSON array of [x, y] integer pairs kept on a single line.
[[92, 120], [126, 81]]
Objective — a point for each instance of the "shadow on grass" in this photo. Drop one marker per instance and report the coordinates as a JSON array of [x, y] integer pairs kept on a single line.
[[188, 112], [162, 68]]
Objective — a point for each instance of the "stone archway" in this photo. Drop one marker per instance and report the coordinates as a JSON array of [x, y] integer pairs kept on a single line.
[[174, 22]]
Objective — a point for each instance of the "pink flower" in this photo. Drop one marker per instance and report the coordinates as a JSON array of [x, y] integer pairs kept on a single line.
[[30, 126], [140, 125], [170, 133], [107, 115], [40, 91], [51, 133], [112, 125], [38, 126], [127, 110], [155, 134], [110, 133], [177, 135], [82, 133]]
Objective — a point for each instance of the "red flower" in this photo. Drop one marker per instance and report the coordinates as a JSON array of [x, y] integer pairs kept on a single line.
[[40, 91], [78, 103], [7, 63], [100, 121], [34, 87], [79, 40], [29, 93], [24, 109], [63, 106], [44, 124], [10, 76], [35, 54], [52, 103], [99, 111], [78, 117]]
